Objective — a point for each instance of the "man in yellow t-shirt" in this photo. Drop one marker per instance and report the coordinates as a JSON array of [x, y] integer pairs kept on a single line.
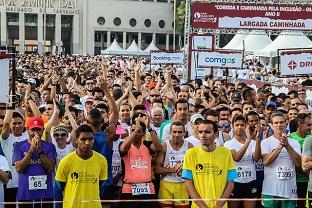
[[209, 170], [81, 174]]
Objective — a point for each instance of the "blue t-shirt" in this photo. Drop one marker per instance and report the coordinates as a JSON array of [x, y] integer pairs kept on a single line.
[[100, 145], [35, 182]]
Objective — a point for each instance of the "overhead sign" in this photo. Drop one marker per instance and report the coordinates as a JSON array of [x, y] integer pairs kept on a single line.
[[200, 42], [295, 62], [224, 59], [167, 57], [251, 16]]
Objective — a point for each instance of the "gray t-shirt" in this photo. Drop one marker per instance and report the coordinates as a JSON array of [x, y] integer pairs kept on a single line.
[[307, 151]]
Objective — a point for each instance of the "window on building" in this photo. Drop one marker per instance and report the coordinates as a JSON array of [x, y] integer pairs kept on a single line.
[[31, 18], [161, 39], [147, 23], [101, 20], [97, 37], [161, 23], [12, 17], [117, 21], [133, 22]]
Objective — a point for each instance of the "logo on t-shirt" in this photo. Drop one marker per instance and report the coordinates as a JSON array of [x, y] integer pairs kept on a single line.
[[83, 177], [206, 169]]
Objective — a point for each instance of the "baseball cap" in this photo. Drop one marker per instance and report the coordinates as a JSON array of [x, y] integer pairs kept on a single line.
[[270, 104], [195, 117], [35, 122], [90, 99], [78, 107], [32, 81], [236, 96]]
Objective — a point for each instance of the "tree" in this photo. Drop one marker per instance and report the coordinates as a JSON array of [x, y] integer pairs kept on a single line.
[[180, 16]]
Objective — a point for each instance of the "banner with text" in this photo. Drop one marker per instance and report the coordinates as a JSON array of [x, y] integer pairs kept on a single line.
[[251, 16], [295, 62], [230, 59], [166, 57], [200, 42]]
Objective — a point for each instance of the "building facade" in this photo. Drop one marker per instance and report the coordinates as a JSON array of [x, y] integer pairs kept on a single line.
[[85, 26]]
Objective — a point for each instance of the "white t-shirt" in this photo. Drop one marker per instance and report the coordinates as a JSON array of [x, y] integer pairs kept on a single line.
[[166, 131], [280, 176], [60, 153], [7, 147], [245, 168], [4, 166], [194, 141]]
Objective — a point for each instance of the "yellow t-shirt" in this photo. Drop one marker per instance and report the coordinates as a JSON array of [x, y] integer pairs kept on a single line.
[[209, 171], [82, 179]]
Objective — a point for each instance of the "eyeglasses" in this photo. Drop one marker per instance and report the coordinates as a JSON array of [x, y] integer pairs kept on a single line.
[[154, 95], [224, 126], [62, 135], [295, 104]]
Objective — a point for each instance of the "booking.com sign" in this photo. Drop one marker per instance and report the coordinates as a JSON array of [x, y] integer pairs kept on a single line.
[[166, 58], [220, 59]]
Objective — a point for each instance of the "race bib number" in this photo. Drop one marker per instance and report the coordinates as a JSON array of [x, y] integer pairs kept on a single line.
[[284, 172], [259, 166], [116, 167], [244, 172], [37, 182], [140, 188]]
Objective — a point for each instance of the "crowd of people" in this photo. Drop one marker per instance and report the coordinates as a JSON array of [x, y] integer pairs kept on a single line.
[[89, 130]]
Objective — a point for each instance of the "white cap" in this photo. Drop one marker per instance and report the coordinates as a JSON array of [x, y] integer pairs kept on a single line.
[[195, 117]]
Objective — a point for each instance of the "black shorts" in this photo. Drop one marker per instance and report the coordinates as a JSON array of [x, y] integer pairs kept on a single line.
[[244, 190], [109, 194]]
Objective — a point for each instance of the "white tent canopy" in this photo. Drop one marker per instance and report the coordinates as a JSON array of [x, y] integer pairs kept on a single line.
[[114, 48], [236, 40], [133, 47], [254, 42], [286, 40], [151, 47]]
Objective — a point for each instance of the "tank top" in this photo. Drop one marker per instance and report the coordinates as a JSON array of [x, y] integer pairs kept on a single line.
[[220, 138], [173, 157], [137, 167], [116, 160]]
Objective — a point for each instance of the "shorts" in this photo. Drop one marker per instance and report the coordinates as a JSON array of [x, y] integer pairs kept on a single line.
[[171, 190], [244, 190], [277, 204], [111, 193]]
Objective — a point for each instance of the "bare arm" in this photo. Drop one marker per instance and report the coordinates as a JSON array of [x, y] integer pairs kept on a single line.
[[160, 160], [294, 155], [137, 77], [269, 158], [4, 177], [45, 84], [6, 124], [237, 156], [257, 154], [156, 146], [34, 108], [226, 193], [194, 194], [125, 146], [53, 121], [47, 163], [22, 164], [306, 163]]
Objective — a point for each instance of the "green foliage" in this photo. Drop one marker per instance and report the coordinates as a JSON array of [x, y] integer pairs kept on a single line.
[[180, 15]]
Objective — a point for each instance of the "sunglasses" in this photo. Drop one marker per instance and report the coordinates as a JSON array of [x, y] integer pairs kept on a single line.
[[224, 126], [154, 95], [62, 134]]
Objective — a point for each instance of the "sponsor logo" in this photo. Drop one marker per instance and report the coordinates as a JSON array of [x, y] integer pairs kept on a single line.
[[166, 58], [222, 61], [204, 17], [292, 65]]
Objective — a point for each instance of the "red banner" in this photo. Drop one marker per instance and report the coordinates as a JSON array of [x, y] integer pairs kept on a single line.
[[251, 16]]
